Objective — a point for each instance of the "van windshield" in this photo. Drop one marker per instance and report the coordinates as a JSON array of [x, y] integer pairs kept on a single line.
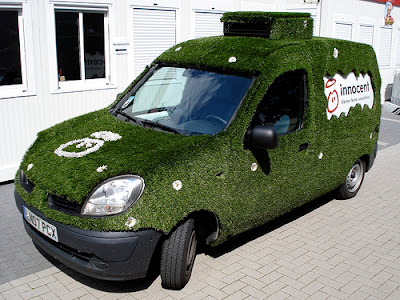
[[186, 101]]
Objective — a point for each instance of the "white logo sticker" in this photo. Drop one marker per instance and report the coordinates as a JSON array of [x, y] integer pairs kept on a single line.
[[346, 92], [88, 144]]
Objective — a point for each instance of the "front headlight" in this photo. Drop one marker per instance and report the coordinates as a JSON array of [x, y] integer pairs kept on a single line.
[[114, 196]]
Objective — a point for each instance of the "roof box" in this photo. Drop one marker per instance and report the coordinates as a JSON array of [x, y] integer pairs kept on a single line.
[[270, 25]]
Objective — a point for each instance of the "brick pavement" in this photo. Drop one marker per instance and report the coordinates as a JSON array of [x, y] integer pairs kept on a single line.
[[330, 249]]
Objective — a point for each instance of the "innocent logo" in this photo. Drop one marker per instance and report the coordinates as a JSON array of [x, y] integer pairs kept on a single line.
[[333, 98], [346, 92], [333, 101], [89, 145]]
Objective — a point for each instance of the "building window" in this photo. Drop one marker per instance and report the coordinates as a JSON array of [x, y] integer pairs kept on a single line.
[[10, 53], [80, 39]]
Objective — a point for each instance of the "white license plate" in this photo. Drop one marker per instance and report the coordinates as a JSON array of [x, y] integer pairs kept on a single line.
[[41, 225]]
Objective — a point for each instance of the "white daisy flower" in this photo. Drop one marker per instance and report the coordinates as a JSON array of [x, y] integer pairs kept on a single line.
[[101, 169], [335, 53], [106, 135], [130, 222], [232, 59], [177, 185]]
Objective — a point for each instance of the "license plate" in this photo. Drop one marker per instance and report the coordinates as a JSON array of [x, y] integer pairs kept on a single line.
[[41, 225]]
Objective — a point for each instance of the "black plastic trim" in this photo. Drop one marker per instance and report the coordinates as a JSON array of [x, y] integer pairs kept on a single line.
[[102, 255], [372, 157]]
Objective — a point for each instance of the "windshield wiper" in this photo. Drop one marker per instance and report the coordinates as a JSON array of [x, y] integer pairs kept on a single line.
[[149, 123], [128, 118], [159, 125]]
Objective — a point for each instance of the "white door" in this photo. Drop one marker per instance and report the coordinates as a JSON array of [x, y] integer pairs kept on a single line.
[[154, 31]]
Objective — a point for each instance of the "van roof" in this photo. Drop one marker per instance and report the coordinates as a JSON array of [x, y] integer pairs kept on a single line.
[[252, 55], [246, 50]]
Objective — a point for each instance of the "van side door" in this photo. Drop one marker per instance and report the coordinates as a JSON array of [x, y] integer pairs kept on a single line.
[[282, 178]]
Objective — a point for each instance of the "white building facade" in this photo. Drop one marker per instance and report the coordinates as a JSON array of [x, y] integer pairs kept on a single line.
[[63, 58]]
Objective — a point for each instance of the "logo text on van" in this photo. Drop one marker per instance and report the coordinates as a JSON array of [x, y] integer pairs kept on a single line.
[[346, 92]]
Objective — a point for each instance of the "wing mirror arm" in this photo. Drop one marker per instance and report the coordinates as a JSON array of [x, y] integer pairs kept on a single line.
[[262, 137]]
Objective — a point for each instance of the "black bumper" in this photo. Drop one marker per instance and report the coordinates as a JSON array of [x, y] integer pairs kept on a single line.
[[102, 255]]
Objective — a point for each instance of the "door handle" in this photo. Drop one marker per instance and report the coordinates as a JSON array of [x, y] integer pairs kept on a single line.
[[303, 146]]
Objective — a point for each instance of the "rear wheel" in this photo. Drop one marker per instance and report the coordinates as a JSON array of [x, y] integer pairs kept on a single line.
[[353, 181], [177, 256]]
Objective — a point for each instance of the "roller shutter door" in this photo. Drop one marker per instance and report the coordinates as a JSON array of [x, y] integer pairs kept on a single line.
[[385, 47], [208, 24], [344, 31], [366, 34], [398, 48], [154, 31]]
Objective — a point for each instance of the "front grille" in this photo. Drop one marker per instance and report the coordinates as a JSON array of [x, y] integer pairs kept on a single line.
[[64, 205]]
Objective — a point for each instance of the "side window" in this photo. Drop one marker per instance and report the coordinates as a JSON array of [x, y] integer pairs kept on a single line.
[[283, 105], [80, 40], [17, 73], [10, 58]]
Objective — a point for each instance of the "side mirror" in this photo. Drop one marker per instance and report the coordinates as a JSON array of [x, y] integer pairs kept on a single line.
[[262, 137]]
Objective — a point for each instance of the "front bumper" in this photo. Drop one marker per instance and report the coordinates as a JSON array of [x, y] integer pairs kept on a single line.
[[102, 255]]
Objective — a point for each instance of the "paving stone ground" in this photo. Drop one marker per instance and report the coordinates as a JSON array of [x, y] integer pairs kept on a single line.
[[330, 249]]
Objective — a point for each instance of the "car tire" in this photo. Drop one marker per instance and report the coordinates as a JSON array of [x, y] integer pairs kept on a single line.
[[353, 182], [177, 256]]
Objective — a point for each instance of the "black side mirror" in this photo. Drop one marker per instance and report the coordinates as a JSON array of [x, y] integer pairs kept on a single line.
[[262, 137]]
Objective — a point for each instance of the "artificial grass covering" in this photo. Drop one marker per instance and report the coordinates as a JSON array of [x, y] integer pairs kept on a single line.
[[278, 25], [216, 170]]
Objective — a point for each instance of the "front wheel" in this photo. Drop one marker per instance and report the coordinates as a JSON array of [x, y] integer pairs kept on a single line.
[[177, 256], [353, 181]]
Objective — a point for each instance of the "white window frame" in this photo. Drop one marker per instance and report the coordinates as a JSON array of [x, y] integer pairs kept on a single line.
[[28, 86], [81, 84]]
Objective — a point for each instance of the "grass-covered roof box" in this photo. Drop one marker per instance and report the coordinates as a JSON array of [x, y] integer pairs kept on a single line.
[[219, 135]]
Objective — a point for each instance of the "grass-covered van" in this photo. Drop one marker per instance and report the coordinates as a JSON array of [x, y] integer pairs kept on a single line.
[[219, 135]]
